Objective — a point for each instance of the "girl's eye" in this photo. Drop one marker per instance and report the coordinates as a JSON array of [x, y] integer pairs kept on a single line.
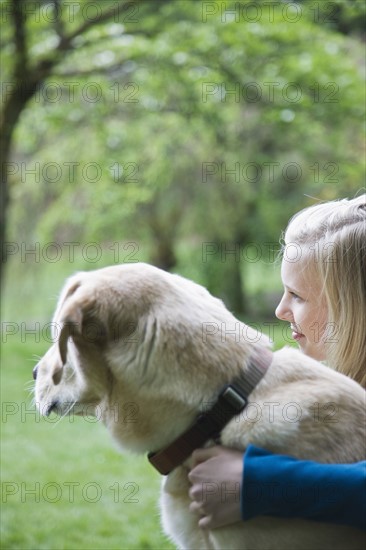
[[295, 296]]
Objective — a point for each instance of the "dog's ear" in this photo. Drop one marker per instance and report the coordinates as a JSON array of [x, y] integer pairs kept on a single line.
[[77, 317], [70, 326]]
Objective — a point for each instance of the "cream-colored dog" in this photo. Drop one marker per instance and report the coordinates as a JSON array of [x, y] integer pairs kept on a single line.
[[136, 334]]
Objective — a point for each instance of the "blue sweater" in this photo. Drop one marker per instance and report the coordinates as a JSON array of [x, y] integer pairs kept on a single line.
[[284, 486]]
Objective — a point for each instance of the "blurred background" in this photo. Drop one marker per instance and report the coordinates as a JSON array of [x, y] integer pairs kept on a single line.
[[179, 132]]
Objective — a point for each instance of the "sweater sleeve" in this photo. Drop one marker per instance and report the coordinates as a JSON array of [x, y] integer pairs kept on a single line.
[[284, 486]]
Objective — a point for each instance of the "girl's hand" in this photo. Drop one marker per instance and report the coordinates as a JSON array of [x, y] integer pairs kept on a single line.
[[216, 478]]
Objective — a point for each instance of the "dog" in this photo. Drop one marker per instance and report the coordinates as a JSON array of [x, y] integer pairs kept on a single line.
[[136, 334]]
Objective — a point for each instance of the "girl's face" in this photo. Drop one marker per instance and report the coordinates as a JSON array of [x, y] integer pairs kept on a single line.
[[304, 307]]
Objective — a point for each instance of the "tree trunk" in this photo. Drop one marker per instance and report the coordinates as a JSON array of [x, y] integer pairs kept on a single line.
[[163, 254], [232, 287], [21, 92]]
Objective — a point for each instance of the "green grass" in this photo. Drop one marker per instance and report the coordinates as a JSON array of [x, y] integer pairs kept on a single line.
[[113, 504]]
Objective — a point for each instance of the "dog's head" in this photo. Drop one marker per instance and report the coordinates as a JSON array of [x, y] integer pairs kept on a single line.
[[133, 342]]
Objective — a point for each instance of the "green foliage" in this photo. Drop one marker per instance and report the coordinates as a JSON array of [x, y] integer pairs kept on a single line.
[[179, 126]]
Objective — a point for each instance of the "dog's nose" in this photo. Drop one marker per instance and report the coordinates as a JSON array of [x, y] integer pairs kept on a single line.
[[35, 372]]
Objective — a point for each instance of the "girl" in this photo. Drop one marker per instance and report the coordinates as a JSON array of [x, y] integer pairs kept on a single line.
[[324, 277]]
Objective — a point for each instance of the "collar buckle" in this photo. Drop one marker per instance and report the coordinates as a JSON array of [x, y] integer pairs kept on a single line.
[[234, 398]]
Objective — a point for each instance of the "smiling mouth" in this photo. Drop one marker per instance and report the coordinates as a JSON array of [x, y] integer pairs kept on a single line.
[[296, 335]]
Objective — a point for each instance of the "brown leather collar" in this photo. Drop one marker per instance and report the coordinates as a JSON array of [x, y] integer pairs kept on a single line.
[[232, 399]]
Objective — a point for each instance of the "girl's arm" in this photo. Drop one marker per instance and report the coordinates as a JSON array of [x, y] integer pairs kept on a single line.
[[280, 485]]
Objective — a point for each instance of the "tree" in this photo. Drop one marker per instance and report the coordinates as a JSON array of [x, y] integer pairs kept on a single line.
[[29, 72], [232, 123]]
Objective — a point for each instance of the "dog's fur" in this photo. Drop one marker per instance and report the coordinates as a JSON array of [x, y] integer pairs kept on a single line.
[[136, 334]]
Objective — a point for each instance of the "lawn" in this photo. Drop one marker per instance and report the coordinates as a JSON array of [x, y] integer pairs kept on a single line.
[[64, 484]]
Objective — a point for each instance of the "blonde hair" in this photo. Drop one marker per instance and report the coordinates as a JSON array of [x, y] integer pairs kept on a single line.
[[335, 234]]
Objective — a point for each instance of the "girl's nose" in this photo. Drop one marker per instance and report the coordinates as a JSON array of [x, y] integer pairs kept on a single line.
[[282, 311]]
